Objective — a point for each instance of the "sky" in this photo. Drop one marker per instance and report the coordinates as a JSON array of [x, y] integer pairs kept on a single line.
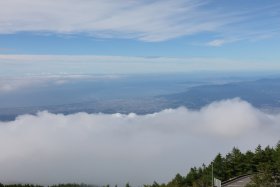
[[190, 35], [62, 40]]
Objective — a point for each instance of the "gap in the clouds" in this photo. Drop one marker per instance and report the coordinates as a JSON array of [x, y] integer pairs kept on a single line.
[[140, 94]]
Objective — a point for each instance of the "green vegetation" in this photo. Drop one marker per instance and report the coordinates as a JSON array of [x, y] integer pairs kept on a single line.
[[264, 163]]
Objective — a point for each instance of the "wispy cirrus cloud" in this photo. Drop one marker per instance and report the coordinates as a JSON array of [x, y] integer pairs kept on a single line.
[[148, 21], [141, 20]]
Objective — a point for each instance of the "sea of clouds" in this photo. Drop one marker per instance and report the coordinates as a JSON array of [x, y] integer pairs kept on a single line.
[[114, 148]]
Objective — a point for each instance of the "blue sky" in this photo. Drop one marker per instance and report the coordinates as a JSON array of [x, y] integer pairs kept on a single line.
[[246, 33]]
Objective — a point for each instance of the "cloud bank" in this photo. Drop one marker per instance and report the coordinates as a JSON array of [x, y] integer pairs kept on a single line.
[[101, 149]]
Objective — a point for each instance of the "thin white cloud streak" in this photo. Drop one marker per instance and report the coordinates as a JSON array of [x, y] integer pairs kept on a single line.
[[10, 84], [20, 65], [98, 148], [216, 43], [142, 20]]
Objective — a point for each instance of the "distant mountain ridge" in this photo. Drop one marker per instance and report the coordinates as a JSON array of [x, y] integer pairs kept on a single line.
[[261, 93]]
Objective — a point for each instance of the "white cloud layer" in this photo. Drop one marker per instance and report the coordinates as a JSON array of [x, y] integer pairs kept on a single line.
[[45, 65], [142, 20], [100, 149]]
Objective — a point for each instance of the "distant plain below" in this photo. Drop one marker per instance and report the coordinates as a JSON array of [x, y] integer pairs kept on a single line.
[[140, 94]]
